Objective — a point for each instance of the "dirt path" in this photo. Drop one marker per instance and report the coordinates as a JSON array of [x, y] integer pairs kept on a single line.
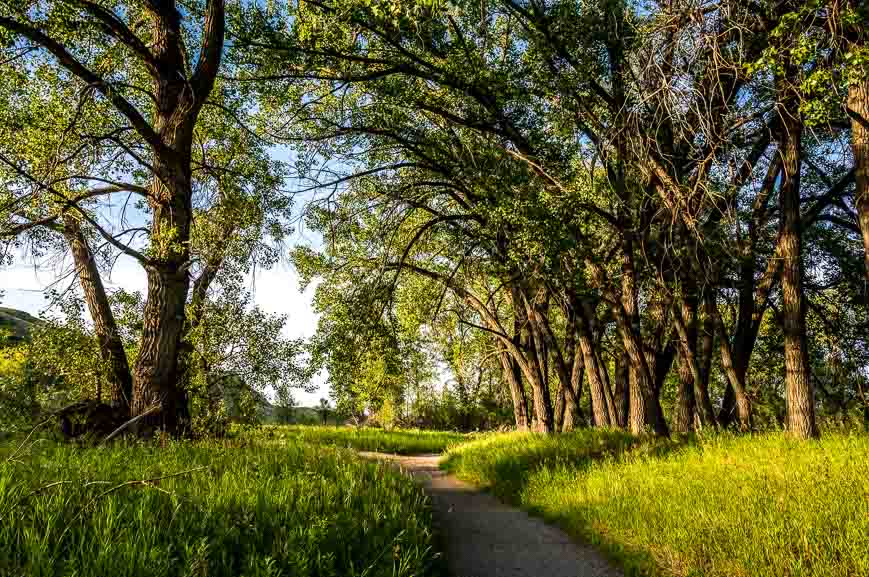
[[486, 538]]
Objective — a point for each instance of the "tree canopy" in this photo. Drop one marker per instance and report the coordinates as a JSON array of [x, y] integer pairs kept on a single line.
[[649, 215]]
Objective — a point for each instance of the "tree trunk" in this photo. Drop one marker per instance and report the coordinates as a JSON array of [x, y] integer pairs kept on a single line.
[[621, 388], [707, 342], [686, 325], [156, 373], [514, 379], [641, 410], [178, 98], [540, 394], [559, 408], [542, 330], [156, 378], [644, 408], [534, 371], [683, 414], [858, 108], [798, 385], [111, 347], [597, 386], [573, 415], [737, 384]]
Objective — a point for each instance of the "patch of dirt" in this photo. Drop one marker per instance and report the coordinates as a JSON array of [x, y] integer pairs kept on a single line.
[[486, 538]]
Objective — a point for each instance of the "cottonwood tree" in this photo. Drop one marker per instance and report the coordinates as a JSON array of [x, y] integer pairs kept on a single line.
[[133, 108], [152, 68], [533, 144]]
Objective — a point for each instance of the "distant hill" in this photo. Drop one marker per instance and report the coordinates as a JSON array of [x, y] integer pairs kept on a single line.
[[17, 322]]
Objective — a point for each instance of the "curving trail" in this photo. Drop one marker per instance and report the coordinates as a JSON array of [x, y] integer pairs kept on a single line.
[[486, 538]]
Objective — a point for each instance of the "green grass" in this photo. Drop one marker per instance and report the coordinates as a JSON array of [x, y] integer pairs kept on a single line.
[[399, 441], [241, 509], [763, 506]]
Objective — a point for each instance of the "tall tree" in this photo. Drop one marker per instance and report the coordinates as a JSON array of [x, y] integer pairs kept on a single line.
[[154, 89]]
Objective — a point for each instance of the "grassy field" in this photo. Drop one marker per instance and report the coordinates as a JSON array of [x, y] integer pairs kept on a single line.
[[399, 441], [761, 506], [216, 509]]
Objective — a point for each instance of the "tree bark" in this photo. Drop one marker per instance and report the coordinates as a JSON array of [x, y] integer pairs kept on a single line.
[[543, 421], [798, 385], [599, 414], [178, 98], [753, 297], [621, 388], [514, 380], [542, 329], [643, 407], [683, 414], [156, 374], [737, 384], [858, 109], [558, 414], [573, 414], [686, 325], [571, 405], [109, 339]]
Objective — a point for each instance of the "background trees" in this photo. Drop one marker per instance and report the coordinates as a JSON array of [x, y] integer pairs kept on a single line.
[[602, 190], [652, 203]]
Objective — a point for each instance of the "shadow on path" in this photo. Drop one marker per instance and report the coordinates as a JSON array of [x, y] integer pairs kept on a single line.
[[486, 538]]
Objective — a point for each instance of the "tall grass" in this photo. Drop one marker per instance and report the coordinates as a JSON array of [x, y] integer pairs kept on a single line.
[[763, 506], [247, 509], [399, 441]]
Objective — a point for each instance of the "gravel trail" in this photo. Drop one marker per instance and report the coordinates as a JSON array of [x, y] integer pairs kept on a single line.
[[486, 538]]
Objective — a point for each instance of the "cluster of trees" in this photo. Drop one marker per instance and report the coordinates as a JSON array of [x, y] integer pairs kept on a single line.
[[662, 203]]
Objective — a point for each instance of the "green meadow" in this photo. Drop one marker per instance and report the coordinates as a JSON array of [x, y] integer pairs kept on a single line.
[[722, 506], [398, 441], [295, 500], [211, 508]]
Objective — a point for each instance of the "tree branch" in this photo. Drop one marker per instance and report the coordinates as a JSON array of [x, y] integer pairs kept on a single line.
[[77, 68]]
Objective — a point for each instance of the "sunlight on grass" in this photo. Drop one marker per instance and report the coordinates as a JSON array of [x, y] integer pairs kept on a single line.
[[400, 441], [760, 506], [242, 509]]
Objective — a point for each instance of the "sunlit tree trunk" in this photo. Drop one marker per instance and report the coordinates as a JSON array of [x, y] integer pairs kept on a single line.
[[620, 376], [683, 414], [513, 375], [858, 109], [532, 348], [109, 339], [798, 386], [178, 97]]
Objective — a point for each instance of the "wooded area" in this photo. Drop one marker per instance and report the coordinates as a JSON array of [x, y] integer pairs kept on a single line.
[[651, 216]]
